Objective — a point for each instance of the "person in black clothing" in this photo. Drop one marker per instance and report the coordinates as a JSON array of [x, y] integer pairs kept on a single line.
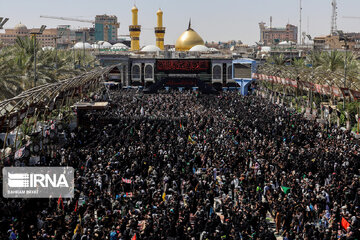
[[200, 167]]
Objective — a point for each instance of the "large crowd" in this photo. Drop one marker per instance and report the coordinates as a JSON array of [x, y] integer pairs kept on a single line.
[[182, 165]]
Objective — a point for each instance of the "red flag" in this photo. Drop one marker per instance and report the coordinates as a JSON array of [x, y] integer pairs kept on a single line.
[[134, 237], [60, 200], [126, 180], [345, 224], [76, 206]]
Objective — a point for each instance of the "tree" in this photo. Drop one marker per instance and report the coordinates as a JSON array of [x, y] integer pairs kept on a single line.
[[352, 71], [277, 60], [17, 63], [331, 61], [10, 81], [314, 59], [299, 63]]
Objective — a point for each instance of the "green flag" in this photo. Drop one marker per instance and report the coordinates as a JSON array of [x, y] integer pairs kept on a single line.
[[286, 190]]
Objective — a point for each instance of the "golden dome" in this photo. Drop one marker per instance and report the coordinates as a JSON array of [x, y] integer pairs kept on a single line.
[[159, 11], [188, 39]]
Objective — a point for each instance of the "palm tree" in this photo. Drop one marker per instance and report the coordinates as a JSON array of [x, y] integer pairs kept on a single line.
[[331, 61], [277, 60], [314, 58], [24, 54], [299, 63], [330, 64], [17, 62], [352, 71], [10, 82]]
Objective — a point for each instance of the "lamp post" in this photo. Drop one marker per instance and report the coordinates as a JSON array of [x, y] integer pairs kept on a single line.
[[84, 39], [312, 78], [3, 21], [55, 39], [345, 67], [345, 38], [33, 34], [358, 120], [73, 41]]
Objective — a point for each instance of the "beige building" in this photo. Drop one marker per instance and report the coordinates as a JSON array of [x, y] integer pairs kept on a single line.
[[332, 42], [47, 39]]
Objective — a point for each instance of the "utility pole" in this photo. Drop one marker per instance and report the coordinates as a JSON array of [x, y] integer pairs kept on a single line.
[[84, 38], [333, 18], [345, 67], [300, 38], [55, 39], [73, 41], [35, 77], [345, 38], [33, 34]]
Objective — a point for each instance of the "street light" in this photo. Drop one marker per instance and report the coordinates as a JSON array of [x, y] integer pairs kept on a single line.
[[55, 39], [345, 38], [3, 21], [84, 39], [74, 41], [33, 34]]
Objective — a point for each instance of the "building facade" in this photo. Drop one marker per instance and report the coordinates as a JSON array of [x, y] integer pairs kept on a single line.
[[106, 28], [332, 42], [272, 36], [47, 39], [62, 37], [85, 35], [171, 69]]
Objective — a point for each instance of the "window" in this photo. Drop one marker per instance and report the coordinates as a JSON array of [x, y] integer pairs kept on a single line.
[[136, 72], [149, 72], [216, 72]]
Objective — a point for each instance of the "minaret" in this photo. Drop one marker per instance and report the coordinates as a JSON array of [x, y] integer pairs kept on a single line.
[[160, 30], [135, 30]]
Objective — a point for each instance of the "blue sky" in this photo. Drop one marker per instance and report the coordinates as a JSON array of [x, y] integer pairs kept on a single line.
[[219, 20]]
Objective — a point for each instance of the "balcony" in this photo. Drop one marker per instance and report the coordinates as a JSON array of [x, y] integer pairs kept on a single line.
[[134, 27]]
